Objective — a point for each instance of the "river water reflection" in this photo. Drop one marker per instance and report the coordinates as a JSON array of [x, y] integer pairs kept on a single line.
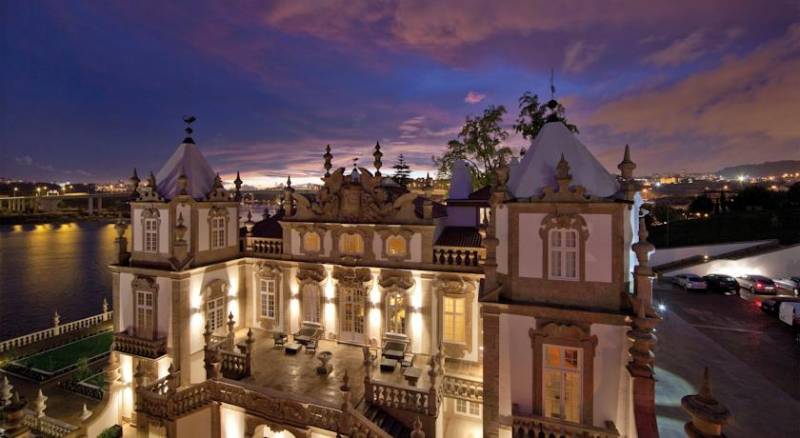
[[44, 268]]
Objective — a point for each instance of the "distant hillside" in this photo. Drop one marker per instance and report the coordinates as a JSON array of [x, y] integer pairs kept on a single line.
[[766, 168]]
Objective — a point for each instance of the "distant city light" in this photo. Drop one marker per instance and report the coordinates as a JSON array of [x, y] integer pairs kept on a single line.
[[662, 308], [741, 178]]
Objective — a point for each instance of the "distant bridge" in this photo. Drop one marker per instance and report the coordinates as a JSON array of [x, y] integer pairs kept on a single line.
[[49, 203]]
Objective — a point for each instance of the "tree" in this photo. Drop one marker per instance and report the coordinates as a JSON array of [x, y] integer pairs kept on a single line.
[[754, 198], [478, 145], [701, 204], [532, 115], [402, 172]]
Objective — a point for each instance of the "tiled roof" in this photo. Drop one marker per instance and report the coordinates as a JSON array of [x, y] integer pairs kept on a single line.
[[269, 227], [467, 237], [482, 194]]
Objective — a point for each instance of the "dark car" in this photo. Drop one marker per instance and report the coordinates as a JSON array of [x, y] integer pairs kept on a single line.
[[757, 284], [721, 283], [772, 305]]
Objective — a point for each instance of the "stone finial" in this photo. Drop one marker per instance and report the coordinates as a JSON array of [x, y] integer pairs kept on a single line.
[[249, 224], [120, 226], [105, 305], [39, 404], [207, 334], [56, 319], [172, 379], [328, 158], [345, 382], [643, 248], [562, 174], [180, 228], [139, 374], [134, 179], [218, 182], [708, 415], [626, 166], [85, 413], [6, 391], [231, 323], [377, 155], [238, 183], [249, 340], [183, 184], [112, 374], [417, 432], [151, 180]]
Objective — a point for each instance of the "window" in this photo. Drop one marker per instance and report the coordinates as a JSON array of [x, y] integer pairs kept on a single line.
[[311, 242], [151, 235], [215, 313], [563, 254], [467, 407], [351, 244], [267, 287], [396, 246], [312, 303], [562, 382], [396, 312], [454, 320], [144, 314], [217, 232]]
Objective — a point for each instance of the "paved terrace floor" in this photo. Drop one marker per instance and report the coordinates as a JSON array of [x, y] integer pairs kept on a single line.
[[297, 374], [754, 363]]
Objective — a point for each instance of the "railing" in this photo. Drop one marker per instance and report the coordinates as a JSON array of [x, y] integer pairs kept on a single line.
[[457, 387], [235, 365], [363, 427], [54, 331], [554, 428], [263, 245], [458, 256], [149, 348], [399, 397], [47, 426]]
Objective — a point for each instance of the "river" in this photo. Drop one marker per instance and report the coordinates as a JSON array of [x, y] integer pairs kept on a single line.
[[52, 267]]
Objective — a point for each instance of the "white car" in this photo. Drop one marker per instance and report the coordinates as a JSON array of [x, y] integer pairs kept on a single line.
[[690, 282], [788, 285]]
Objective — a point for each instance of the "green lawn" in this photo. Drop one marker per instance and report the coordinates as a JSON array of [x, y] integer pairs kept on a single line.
[[56, 359]]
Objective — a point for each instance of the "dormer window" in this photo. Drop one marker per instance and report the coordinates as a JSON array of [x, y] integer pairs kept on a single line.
[[217, 221], [351, 244], [311, 242], [150, 220], [564, 249]]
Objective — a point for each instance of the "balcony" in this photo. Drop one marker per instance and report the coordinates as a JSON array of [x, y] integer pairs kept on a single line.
[[148, 348], [264, 245], [553, 427], [458, 256]]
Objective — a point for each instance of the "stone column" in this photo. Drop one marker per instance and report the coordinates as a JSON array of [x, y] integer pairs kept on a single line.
[[491, 374], [708, 415]]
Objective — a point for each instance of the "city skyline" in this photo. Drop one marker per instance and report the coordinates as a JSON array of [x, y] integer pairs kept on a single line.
[[94, 90]]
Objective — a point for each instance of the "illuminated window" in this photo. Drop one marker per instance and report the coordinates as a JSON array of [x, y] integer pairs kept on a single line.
[[217, 232], [311, 242], [562, 382], [564, 254], [396, 312], [267, 288], [151, 235], [351, 244], [454, 321], [144, 314], [312, 303], [396, 246], [467, 407], [215, 313]]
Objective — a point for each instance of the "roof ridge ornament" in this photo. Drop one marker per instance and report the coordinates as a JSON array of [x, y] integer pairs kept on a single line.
[[149, 192], [218, 192], [188, 119], [377, 155], [328, 158], [564, 192]]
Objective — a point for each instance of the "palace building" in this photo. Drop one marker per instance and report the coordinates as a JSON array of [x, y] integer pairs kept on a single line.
[[519, 309]]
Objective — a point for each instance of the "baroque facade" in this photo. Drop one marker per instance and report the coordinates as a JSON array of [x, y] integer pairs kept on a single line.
[[369, 310]]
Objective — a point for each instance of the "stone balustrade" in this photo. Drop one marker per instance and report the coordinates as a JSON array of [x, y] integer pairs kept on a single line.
[[362, 427], [262, 245], [458, 256], [555, 428], [399, 397], [458, 387], [47, 427], [149, 348], [235, 365], [57, 329]]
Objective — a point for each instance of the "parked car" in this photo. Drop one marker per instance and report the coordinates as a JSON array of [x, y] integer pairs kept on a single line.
[[757, 284], [789, 313], [721, 283], [772, 305], [789, 285], [690, 282]]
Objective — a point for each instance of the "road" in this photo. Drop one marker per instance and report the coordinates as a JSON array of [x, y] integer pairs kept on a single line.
[[753, 358]]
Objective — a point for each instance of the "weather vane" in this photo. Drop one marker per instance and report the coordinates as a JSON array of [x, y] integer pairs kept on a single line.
[[189, 120], [552, 85]]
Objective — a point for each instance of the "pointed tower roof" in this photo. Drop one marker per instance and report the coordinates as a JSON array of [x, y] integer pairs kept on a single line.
[[187, 160], [537, 169], [460, 181]]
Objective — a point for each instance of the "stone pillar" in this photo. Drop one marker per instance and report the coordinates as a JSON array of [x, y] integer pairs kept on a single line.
[[90, 207], [491, 374], [231, 331], [708, 415]]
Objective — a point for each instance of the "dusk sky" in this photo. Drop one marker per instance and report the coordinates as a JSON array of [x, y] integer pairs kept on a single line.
[[88, 90]]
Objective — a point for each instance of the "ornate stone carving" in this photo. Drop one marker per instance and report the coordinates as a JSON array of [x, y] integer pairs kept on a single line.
[[218, 192], [141, 282], [310, 272], [559, 220], [149, 192], [564, 192], [395, 279], [352, 276]]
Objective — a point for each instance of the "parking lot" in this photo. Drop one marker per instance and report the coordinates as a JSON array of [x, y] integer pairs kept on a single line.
[[753, 357]]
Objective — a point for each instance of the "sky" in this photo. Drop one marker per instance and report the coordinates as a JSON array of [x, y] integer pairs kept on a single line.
[[88, 90]]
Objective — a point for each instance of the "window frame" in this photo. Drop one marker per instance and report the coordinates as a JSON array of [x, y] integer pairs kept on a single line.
[[345, 238], [562, 369], [453, 316], [268, 304], [562, 252], [151, 233], [393, 309]]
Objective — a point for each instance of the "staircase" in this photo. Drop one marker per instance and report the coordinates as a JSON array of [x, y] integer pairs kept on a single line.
[[386, 422]]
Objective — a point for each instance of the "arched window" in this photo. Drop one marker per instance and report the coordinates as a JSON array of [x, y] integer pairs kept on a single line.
[[564, 248], [351, 244], [311, 242], [396, 312], [396, 246]]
